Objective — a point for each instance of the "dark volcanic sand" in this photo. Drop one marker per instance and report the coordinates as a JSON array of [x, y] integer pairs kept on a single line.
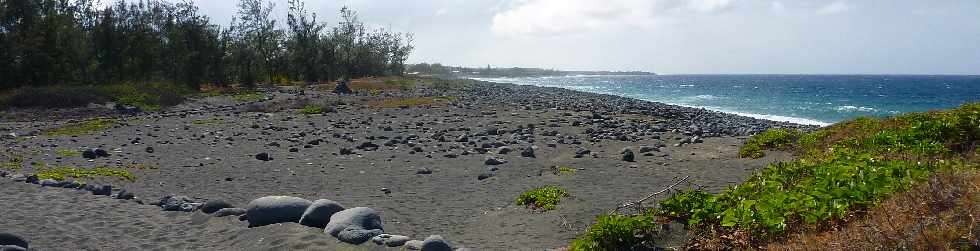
[[215, 159]]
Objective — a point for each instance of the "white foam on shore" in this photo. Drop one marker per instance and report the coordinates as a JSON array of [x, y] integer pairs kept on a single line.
[[794, 120]]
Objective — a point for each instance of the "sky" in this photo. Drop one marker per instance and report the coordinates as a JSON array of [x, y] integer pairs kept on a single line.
[[677, 36]]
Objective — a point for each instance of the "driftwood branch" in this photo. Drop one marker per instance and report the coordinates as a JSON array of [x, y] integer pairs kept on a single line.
[[638, 202]]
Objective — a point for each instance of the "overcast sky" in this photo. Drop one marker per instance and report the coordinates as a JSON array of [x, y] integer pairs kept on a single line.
[[678, 36]]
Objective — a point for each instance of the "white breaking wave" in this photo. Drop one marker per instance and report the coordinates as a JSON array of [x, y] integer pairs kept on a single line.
[[851, 108]]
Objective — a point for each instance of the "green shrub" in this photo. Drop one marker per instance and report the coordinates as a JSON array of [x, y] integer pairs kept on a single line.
[[769, 139], [616, 232], [545, 198], [54, 97]]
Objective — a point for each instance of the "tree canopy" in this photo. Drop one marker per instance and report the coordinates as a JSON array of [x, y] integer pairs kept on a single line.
[[67, 42]]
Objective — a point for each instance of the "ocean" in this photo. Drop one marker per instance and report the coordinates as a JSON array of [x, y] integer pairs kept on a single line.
[[803, 99]]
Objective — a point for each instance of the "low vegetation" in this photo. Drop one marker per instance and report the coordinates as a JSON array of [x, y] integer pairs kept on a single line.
[[82, 128], [68, 153], [843, 173], [210, 121], [313, 109], [617, 232], [63, 172], [777, 139], [145, 96], [248, 96], [543, 198], [411, 102]]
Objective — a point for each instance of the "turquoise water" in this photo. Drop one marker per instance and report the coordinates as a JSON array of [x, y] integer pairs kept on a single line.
[[805, 99]]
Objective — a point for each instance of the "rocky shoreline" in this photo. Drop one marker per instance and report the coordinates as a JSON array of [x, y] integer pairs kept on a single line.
[[450, 167]]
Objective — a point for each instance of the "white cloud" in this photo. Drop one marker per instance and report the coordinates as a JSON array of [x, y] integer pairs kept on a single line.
[[442, 11], [559, 17], [777, 7], [835, 8]]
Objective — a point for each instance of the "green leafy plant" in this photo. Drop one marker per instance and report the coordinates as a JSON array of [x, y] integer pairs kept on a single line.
[[544, 198], [616, 232]]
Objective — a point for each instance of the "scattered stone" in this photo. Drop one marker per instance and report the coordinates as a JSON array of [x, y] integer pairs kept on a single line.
[[103, 190], [29, 179], [318, 214], [275, 209], [177, 203], [212, 206], [423, 170], [9, 239], [494, 161], [435, 243], [346, 151], [413, 245], [628, 155], [356, 225], [125, 195], [504, 150], [485, 175], [50, 183], [396, 240], [229, 212], [528, 152], [263, 157], [149, 149], [646, 149]]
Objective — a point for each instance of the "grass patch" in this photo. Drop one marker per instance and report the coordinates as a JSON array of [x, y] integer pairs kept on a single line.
[[411, 102], [248, 96], [68, 153], [210, 121], [313, 109], [147, 96], [544, 198], [82, 128], [769, 139], [61, 173]]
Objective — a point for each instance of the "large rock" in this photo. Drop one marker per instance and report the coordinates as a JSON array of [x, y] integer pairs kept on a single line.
[[229, 212], [9, 239], [212, 206], [11, 248], [318, 214], [275, 209], [356, 225], [436, 243]]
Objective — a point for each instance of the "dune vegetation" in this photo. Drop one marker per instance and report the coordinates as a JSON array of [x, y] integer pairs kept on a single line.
[[852, 180]]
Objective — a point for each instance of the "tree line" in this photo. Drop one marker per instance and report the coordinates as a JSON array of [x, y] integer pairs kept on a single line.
[[69, 42]]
